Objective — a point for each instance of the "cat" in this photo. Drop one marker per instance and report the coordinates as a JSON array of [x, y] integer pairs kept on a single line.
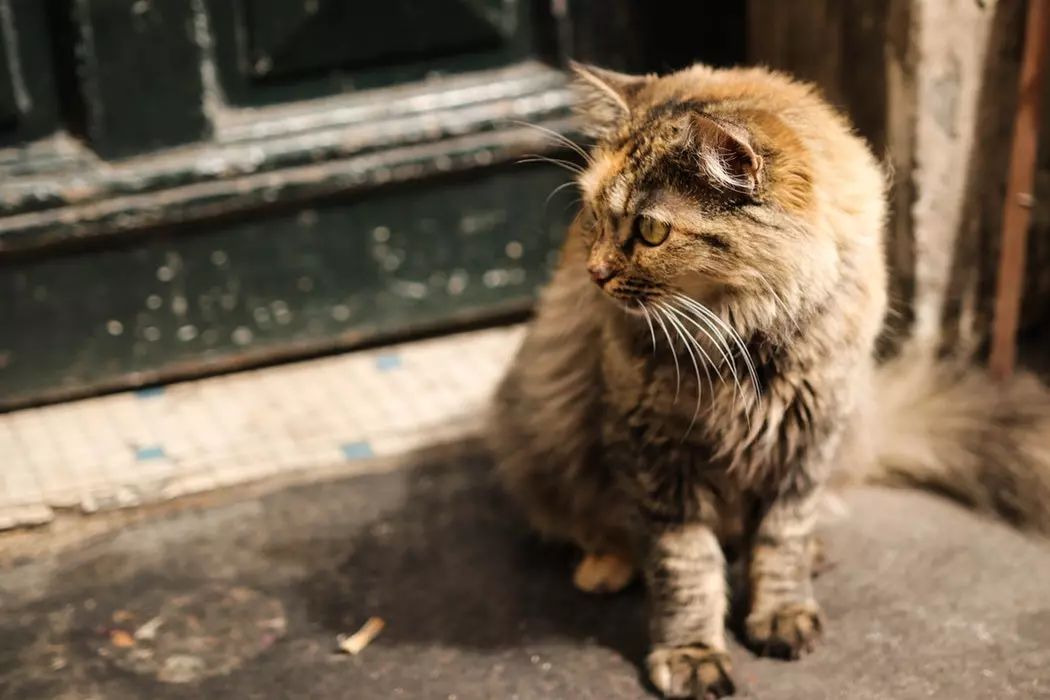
[[702, 365]]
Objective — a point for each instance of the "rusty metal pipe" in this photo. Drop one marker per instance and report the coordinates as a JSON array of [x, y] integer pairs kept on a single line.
[[1019, 191]]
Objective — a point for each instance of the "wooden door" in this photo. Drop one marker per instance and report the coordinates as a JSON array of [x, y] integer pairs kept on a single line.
[[202, 185]]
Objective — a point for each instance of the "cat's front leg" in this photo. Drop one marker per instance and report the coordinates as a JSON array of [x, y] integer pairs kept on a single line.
[[685, 572], [785, 620]]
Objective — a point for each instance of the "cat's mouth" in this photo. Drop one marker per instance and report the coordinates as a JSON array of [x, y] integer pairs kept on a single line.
[[633, 308], [630, 290], [633, 299]]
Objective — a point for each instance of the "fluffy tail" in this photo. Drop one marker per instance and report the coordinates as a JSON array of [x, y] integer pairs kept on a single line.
[[958, 432]]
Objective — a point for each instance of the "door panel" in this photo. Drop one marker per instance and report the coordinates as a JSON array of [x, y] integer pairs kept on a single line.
[[288, 38], [273, 51], [28, 106], [195, 186], [9, 110], [231, 294], [140, 77]]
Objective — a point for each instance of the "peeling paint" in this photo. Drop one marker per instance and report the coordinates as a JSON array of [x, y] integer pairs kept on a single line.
[[242, 336], [481, 221], [214, 101], [179, 305], [409, 289], [263, 65], [323, 150], [281, 313], [23, 97], [457, 282], [496, 278], [326, 288]]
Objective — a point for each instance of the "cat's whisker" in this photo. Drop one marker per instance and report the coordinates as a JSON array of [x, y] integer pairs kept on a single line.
[[685, 305], [703, 325], [700, 325], [556, 190], [724, 349], [674, 355], [690, 342], [559, 138], [573, 168], [778, 301], [649, 322], [731, 332], [571, 204]]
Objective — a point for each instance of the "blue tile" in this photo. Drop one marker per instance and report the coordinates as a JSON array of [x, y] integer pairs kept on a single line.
[[385, 363], [150, 392], [357, 450], [149, 452]]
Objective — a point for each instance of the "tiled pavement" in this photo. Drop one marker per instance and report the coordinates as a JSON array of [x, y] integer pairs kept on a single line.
[[246, 597], [160, 443]]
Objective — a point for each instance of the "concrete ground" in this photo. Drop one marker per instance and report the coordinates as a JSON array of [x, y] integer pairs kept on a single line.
[[243, 596]]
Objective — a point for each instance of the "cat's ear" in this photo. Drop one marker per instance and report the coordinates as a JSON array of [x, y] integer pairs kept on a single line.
[[604, 98], [726, 153]]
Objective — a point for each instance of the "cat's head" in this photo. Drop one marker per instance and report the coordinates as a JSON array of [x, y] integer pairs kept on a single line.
[[697, 186]]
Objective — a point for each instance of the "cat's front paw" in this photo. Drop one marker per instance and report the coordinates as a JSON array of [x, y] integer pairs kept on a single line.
[[603, 573], [691, 672], [788, 632]]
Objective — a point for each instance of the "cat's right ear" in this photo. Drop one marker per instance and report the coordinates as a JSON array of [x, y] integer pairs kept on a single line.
[[604, 98]]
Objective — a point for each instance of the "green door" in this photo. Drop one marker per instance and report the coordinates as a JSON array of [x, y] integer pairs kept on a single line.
[[194, 186]]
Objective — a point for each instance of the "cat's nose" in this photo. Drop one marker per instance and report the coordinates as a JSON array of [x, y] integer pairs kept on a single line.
[[602, 271]]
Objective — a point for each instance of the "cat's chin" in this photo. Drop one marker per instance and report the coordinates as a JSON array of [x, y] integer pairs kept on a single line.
[[633, 309], [632, 306]]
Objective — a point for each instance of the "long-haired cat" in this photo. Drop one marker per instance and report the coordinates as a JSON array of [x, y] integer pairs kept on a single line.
[[702, 365]]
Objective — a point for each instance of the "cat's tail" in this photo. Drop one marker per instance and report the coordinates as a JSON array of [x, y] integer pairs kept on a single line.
[[956, 431]]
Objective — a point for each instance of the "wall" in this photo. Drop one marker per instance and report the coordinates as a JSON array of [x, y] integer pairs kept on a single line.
[[932, 84]]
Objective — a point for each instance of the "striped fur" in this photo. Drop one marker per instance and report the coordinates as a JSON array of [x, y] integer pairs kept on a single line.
[[696, 401]]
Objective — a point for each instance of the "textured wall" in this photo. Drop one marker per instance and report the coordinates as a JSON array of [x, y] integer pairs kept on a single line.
[[932, 84]]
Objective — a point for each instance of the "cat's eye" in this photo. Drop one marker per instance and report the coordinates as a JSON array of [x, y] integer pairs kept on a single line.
[[651, 231]]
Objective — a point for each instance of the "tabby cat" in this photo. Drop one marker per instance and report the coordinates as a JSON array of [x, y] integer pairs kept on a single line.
[[702, 365]]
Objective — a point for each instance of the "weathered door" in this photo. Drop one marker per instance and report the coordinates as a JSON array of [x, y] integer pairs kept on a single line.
[[198, 185]]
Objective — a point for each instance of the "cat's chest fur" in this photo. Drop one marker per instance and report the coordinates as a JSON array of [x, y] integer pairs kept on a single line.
[[659, 405], [730, 436]]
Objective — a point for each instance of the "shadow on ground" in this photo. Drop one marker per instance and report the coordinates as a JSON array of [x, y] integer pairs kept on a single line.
[[454, 546], [245, 600]]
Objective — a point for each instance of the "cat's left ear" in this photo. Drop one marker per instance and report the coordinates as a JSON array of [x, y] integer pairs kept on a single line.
[[726, 153], [604, 98]]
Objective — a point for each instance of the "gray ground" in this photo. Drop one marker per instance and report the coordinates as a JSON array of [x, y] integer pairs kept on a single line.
[[244, 599]]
